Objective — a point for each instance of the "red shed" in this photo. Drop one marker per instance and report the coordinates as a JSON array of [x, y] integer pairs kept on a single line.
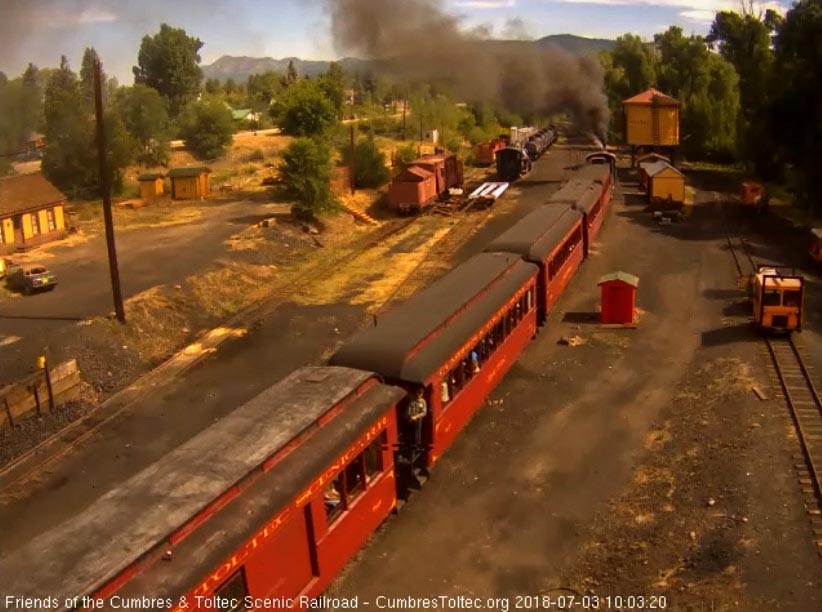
[[618, 298]]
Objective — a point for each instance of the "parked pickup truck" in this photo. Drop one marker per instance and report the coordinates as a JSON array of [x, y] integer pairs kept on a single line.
[[30, 278]]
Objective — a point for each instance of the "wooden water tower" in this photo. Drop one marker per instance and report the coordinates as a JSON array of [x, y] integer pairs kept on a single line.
[[652, 124]]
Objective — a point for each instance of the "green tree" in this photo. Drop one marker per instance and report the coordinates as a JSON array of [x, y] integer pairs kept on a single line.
[[291, 76], [404, 156], [708, 87], [264, 87], [370, 170], [146, 119], [169, 62], [87, 76], [70, 159], [305, 172], [306, 111], [745, 41], [212, 86], [333, 85], [207, 128], [796, 111]]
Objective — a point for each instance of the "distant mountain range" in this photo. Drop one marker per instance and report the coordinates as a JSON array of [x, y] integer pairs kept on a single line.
[[240, 68]]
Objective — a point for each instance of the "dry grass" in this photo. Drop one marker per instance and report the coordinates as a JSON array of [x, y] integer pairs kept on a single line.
[[225, 290], [157, 322]]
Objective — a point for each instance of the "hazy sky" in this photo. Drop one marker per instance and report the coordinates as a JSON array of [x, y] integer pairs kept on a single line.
[[41, 30]]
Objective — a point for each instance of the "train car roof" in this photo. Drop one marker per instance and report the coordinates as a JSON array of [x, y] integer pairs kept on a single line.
[[580, 193], [594, 172], [268, 496], [142, 513], [412, 341], [537, 234]]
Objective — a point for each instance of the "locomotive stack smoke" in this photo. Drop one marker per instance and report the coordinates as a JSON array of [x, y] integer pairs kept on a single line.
[[418, 40]]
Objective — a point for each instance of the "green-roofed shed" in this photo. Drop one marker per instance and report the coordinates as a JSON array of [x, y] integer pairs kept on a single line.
[[190, 183], [618, 291]]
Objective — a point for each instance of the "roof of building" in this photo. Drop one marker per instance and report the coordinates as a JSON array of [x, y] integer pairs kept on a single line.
[[624, 277], [659, 166], [190, 171], [537, 234], [652, 156], [652, 96], [240, 113], [139, 514], [411, 342], [150, 176], [32, 136], [27, 192]]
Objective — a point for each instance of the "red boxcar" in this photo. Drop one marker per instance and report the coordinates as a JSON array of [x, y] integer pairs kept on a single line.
[[270, 501], [413, 189], [446, 167], [550, 237], [485, 152], [485, 306]]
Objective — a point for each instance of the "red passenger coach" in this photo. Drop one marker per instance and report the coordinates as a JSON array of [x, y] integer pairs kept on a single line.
[[550, 237], [485, 306], [585, 196], [271, 501], [600, 173]]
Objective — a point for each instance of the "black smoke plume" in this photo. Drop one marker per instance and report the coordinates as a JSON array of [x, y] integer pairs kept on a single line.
[[417, 40]]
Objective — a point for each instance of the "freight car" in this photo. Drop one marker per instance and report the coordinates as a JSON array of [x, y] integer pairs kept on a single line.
[[484, 152], [272, 500], [424, 180], [512, 163]]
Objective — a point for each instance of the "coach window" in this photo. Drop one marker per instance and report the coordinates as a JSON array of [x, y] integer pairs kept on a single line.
[[354, 479], [771, 298], [373, 457], [333, 499], [234, 589]]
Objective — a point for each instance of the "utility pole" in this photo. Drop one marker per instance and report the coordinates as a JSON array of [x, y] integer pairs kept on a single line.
[[105, 189], [353, 168], [404, 109]]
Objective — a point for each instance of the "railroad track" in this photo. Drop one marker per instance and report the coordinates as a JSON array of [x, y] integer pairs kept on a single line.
[[801, 396], [805, 407]]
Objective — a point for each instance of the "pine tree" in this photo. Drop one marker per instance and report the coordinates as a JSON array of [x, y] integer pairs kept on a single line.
[[90, 58]]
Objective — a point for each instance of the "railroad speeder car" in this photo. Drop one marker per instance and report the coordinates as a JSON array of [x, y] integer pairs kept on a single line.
[[778, 298], [274, 499]]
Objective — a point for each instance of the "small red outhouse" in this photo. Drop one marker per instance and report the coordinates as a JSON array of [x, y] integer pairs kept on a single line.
[[618, 298]]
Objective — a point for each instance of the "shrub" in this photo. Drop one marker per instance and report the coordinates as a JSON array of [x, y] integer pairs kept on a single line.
[[370, 170], [305, 173], [207, 128]]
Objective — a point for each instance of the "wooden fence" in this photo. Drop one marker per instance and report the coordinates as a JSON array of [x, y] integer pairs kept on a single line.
[[33, 395]]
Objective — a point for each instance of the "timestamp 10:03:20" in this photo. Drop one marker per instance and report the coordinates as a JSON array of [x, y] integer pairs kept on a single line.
[[590, 602]]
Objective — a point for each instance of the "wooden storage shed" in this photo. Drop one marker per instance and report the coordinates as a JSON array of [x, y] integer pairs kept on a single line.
[[665, 182], [190, 183], [151, 185], [618, 296], [644, 162], [652, 122]]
